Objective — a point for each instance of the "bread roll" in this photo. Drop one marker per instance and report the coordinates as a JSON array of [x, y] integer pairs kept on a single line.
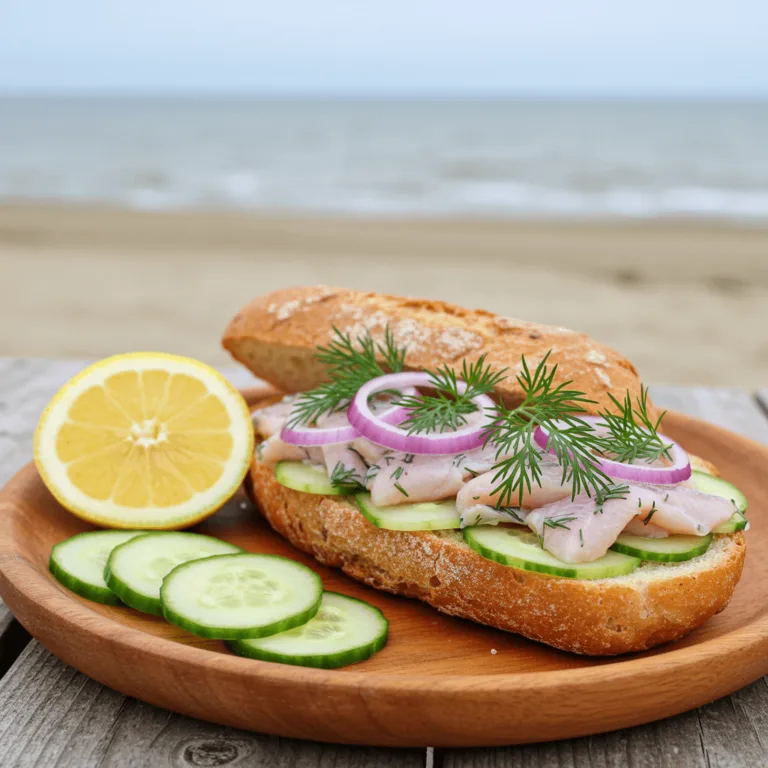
[[277, 336]]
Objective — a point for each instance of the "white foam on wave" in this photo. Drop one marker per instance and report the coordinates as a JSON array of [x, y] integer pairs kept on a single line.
[[513, 199], [239, 187], [518, 199]]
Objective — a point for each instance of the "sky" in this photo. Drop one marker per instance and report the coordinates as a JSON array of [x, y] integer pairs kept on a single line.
[[571, 48]]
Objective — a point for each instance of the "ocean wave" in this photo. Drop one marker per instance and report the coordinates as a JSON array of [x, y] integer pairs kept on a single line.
[[504, 160]]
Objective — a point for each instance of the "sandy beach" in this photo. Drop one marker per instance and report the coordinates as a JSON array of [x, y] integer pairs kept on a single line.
[[686, 302]]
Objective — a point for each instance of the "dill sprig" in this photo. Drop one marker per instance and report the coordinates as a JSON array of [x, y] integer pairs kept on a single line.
[[606, 494], [342, 477], [514, 513], [448, 408], [651, 513], [350, 364], [632, 434], [396, 475], [572, 440], [559, 522]]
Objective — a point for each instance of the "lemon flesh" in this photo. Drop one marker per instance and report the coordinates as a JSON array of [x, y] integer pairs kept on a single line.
[[144, 440]]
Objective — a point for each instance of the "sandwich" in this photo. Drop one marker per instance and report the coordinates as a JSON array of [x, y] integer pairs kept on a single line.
[[506, 472]]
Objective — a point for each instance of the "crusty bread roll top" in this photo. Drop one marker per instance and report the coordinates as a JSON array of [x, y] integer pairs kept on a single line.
[[277, 336]]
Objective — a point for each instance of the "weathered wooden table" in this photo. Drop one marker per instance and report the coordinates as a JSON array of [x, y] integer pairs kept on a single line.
[[51, 715]]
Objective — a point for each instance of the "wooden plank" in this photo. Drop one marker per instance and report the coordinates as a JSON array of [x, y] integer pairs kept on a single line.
[[721, 734], [25, 387], [728, 407], [729, 733], [52, 715]]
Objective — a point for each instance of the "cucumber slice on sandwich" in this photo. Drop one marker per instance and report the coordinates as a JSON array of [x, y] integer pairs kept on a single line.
[[344, 631], [716, 486], [308, 479], [672, 549], [520, 548], [428, 516], [232, 597], [736, 522], [135, 570], [78, 563]]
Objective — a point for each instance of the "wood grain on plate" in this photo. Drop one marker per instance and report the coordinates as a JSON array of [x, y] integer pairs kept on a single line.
[[437, 681]]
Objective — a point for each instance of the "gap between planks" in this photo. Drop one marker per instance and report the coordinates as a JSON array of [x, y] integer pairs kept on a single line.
[[762, 399], [13, 639]]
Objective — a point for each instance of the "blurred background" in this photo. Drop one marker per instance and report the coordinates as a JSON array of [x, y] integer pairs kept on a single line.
[[593, 164]]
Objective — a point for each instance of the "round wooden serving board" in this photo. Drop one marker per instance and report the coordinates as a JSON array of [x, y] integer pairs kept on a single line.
[[437, 682]]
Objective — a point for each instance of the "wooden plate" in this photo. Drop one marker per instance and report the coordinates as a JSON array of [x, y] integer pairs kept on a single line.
[[436, 683]]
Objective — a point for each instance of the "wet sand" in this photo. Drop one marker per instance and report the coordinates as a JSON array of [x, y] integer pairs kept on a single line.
[[687, 302]]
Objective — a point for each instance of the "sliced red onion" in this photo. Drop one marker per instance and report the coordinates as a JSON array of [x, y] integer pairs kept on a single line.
[[378, 431], [678, 471], [309, 436]]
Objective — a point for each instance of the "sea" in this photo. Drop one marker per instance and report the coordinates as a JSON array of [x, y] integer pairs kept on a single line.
[[506, 159]]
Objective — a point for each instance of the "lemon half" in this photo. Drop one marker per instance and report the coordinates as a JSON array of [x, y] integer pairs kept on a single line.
[[144, 440]]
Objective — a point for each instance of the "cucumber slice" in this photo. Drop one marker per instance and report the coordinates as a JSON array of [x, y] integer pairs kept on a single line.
[[135, 570], [429, 516], [78, 563], [672, 549], [736, 522], [308, 479], [344, 631], [232, 597], [520, 548], [716, 486]]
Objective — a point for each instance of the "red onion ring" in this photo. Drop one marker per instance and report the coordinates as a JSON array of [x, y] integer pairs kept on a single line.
[[677, 472], [309, 436], [369, 425]]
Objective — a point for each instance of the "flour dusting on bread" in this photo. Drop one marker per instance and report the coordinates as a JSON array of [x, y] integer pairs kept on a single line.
[[277, 337]]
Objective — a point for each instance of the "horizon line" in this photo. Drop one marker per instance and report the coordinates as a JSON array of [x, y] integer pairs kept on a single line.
[[385, 96]]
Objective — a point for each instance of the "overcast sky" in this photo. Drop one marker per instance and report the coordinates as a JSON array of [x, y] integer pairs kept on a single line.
[[377, 47]]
